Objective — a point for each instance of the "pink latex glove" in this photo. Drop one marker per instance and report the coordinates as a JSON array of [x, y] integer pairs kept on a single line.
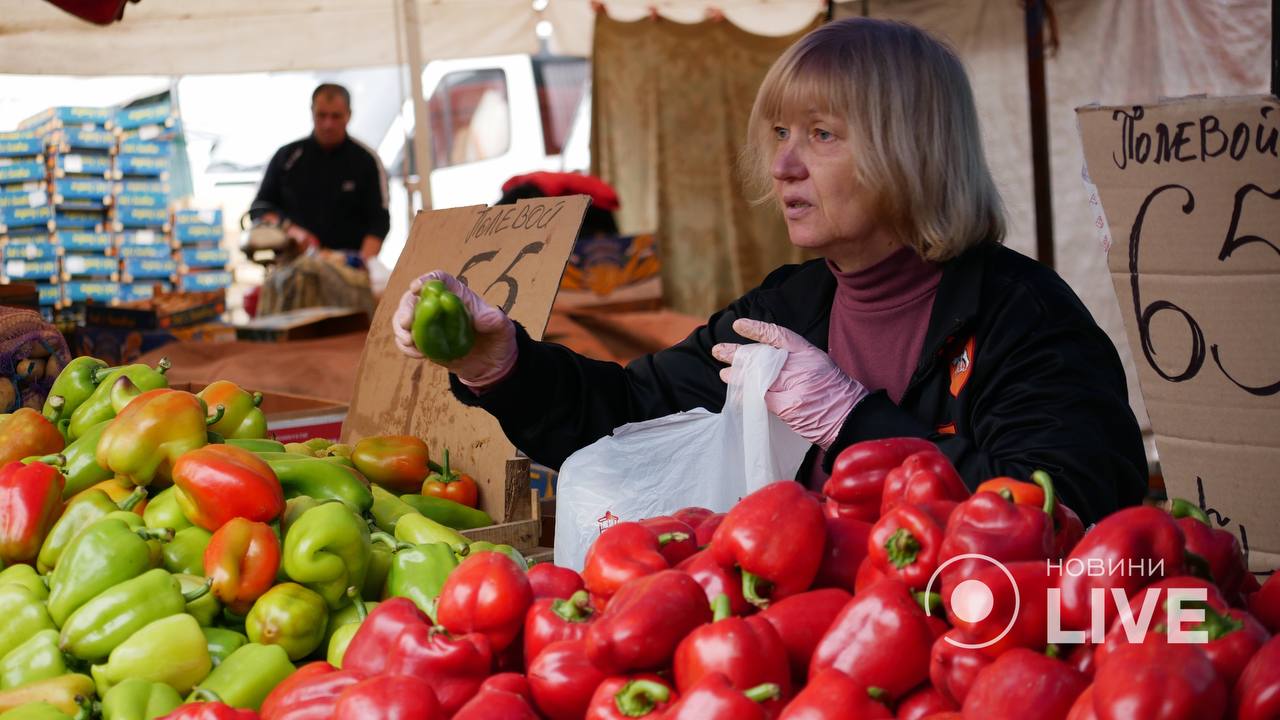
[[494, 354], [810, 394]]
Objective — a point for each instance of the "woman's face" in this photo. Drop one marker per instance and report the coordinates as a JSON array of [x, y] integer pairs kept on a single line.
[[826, 209]]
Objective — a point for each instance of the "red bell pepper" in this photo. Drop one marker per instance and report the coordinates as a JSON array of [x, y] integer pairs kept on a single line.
[[683, 541], [30, 503], [27, 433], [1159, 681], [1025, 613], [832, 695], [801, 621], [774, 535], [922, 477], [635, 696], [715, 698], [454, 667], [868, 575], [1068, 530], [502, 697], [216, 483], [308, 694], [488, 593], [692, 516], [1257, 693], [1234, 638], [1083, 708], [881, 639], [389, 697], [1067, 527], [645, 620], [1022, 679], [563, 679], [1265, 604], [1145, 541], [704, 531], [552, 581], [209, 711], [905, 542], [987, 524], [241, 560], [623, 552], [717, 580], [369, 648], [1154, 599], [1217, 549], [856, 486], [550, 621], [922, 703], [952, 669], [843, 553], [747, 651], [399, 463], [1081, 658]]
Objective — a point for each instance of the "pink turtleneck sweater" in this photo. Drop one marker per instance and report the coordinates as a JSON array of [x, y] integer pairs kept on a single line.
[[879, 317]]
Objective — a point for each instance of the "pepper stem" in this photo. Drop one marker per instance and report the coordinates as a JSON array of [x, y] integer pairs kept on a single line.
[[388, 540], [199, 592], [56, 403], [138, 495], [671, 537], [1053, 651], [55, 460], [218, 411], [362, 612], [639, 697], [763, 692], [101, 374], [1215, 623], [163, 366], [720, 608], [205, 695], [162, 534], [752, 584], [1198, 566], [878, 693], [1006, 493], [929, 602], [1183, 508], [257, 399], [575, 609], [902, 548], [1045, 482]]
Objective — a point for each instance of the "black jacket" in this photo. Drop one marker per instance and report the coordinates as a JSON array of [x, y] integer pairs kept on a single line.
[[1040, 386], [340, 195]]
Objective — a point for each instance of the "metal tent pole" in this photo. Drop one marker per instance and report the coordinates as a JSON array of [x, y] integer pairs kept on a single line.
[[1039, 131]]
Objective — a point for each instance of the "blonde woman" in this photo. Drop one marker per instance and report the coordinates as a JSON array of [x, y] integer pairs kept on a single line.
[[916, 321]]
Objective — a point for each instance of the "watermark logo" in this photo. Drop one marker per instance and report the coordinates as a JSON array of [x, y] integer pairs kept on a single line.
[[973, 600]]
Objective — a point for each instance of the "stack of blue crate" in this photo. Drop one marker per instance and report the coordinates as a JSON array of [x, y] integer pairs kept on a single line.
[[145, 243], [26, 253], [202, 259]]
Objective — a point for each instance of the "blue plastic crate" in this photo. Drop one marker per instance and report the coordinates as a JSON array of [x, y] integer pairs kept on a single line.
[[79, 138], [90, 266], [29, 251], [145, 148], [142, 165], [49, 295], [131, 292], [71, 189], [205, 257], [147, 268], [143, 200], [98, 166], [23, 198], [97, 291], [28, 217], [193, 216], [209, 280], [43, 270], [69, 116], [83, 242], [143, 186], [22, 172], [189, 233], [145, 236], [150, 252], [21, 145], [140, 217], [79, 220], [161, 113]]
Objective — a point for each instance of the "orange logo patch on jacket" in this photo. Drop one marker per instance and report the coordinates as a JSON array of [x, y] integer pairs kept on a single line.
[[962, 368]]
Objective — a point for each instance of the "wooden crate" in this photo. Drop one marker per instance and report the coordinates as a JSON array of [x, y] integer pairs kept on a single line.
[[521, 525]]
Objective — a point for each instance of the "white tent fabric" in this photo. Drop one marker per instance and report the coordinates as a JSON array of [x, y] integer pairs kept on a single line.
[[185, 37]]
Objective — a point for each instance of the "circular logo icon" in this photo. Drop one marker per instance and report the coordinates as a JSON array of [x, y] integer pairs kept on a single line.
[[972, 601]]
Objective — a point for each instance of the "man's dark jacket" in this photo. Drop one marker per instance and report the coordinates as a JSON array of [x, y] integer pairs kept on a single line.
[[1039, 387]]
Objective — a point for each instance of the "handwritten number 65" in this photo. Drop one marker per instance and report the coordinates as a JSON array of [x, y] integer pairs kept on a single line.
[[512, 285]]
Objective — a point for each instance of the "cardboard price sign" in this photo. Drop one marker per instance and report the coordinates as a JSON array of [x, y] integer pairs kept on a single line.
[[1191, 192], [513, 255]]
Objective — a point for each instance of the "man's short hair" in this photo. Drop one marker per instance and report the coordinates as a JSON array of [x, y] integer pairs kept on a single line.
[[331, 89]]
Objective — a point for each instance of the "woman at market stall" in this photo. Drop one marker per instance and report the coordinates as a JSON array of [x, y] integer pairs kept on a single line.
[[914, 321]]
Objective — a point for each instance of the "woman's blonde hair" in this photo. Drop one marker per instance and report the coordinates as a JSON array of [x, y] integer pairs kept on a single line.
[[912, 124]]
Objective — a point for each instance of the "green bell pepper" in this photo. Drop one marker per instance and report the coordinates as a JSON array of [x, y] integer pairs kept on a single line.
[[185, 553], [318, 444], [138, 699], [88, 508], [98, 626], [320, 478], [441, 327], [67, 693], [171, 650], [27, 577], [297, 448], [242, 418], [485, 546], [36, 659], [39, 711], [327, 550], [75, 384], [417, 529], [222, 642], [81, 467], [379, 567], [24, 615], [447, 512], [343, 627], [103, 555], [248, 675], [288, 615], [387, 509], [206, 609], [98, 408], [294, 508], [418, 572], [256, 445], [163, 511]]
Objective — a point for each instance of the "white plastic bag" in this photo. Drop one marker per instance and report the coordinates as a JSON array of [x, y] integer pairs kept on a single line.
[[699, 458]]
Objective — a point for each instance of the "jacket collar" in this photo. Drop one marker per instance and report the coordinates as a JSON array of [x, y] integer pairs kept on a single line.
[[955, 307]]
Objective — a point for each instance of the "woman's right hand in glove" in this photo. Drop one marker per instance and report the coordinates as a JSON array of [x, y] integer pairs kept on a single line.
[[494, 354]]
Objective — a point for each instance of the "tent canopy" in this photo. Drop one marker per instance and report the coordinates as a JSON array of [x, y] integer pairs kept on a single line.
[[184, 37]]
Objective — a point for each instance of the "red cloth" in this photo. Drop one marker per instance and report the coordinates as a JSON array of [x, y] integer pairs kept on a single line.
[[100, 12], [555, 184]]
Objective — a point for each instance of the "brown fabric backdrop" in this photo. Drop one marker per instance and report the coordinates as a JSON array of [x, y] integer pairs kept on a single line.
[[669, 116]]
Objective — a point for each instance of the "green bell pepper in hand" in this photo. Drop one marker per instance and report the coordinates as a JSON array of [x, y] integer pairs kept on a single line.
[[418, 572], [171, 650], [138, 699], [103, 555], [222, 642], [81, 468], [163, 511], [101, 624], [97, 408], [206, 609], [321, 479], [185, 553], [86, 509], [27, 577], [288, 615], [242, 417], [248, 675], [75, 384], [24, 615], [36, 659], [327, 550], [442, 327]]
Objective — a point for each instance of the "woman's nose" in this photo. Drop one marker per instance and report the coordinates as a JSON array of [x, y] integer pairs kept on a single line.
[[787, 164]]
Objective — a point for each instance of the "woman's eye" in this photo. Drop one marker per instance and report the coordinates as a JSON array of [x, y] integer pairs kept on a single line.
[[781, 133], [823, 135]]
